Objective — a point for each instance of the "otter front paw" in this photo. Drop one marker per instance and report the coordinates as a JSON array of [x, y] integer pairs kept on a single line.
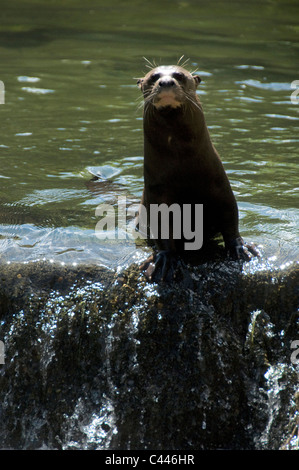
[[160, 266], [240, 250]]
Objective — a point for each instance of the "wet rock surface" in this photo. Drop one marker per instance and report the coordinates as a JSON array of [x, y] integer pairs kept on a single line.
[[95, 360]]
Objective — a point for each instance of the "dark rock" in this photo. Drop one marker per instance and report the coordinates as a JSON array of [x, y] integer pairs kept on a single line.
[[99, 361]]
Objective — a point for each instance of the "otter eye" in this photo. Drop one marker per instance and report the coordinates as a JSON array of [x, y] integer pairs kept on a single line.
[[178, 76], [155, 77]]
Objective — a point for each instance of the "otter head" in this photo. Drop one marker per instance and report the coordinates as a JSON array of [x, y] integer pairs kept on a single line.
[[169, 86]]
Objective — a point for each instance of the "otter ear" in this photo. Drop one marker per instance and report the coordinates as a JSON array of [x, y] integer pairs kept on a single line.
[[197, 80], [140, 83]]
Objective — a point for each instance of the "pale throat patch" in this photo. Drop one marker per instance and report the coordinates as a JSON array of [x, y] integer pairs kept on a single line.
[[167, 98]]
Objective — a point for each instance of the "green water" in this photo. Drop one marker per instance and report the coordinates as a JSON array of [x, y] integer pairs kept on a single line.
[[71, 102]]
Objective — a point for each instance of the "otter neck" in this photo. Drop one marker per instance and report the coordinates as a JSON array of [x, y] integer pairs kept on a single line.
[[185, 124]]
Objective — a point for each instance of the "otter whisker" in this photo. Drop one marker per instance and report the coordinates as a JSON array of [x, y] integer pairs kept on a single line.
[[183, 64], [140, 104], [149, 62], [192, 100], [149, 95], [194, 71], [150, 65]]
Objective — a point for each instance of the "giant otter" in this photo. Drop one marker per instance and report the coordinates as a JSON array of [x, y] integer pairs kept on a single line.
[[182, 166]]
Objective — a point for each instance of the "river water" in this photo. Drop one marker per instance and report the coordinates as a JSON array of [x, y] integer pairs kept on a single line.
[[71, 104]]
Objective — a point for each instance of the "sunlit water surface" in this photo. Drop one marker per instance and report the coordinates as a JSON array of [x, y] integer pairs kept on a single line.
[[72, 104]]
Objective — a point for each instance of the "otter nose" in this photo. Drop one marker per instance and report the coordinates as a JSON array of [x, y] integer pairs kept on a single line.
[[166, 82]]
